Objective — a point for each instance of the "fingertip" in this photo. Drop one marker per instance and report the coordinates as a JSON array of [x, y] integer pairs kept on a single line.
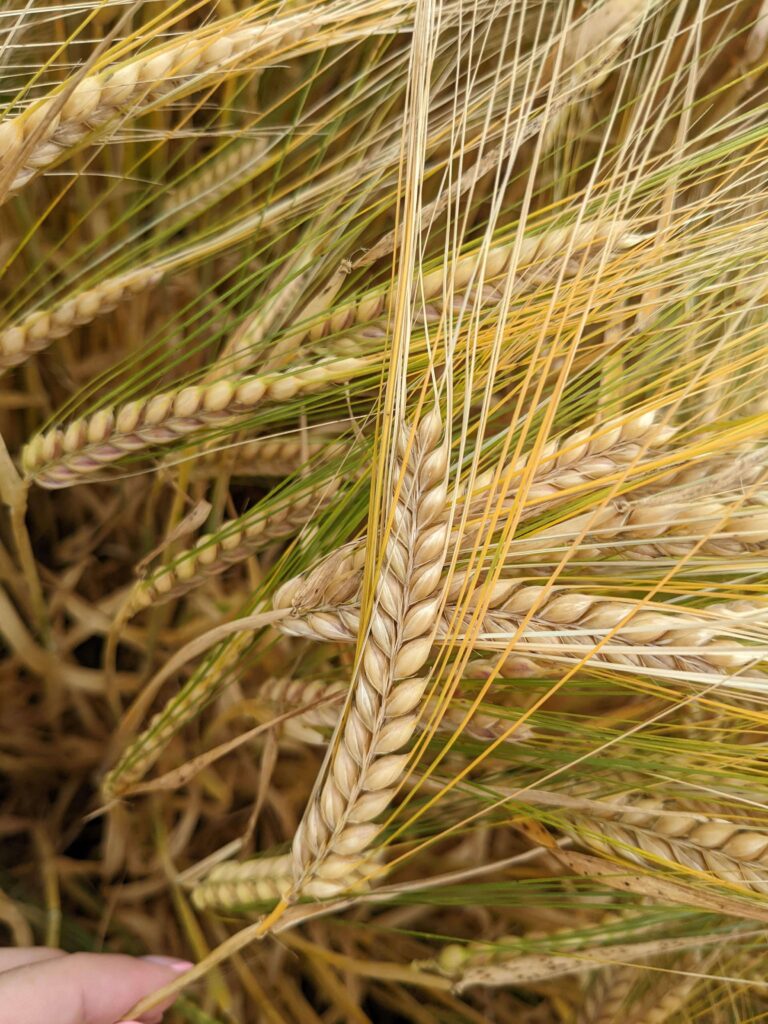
[[171, 962]]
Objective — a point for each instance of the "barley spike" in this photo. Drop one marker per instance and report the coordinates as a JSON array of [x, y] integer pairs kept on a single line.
[[269, 456], [238, 886], [235, 541], [61, 457], [653, 829], [363, 765], [38, 137], [39, 329], [654, 637]]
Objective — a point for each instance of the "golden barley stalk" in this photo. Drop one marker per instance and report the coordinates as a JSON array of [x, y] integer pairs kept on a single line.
[[569, 626], [39, 136], [61, 457], [709, 474], [363, 765], [38, 329], [233, 543], [652, 829]]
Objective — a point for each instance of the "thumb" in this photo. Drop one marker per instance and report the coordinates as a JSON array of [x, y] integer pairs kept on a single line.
[[83, 988]]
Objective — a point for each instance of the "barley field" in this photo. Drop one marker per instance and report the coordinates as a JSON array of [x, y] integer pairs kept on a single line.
[[384, 484]]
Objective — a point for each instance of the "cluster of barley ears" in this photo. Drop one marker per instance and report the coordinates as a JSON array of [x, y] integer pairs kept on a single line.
[[384, 464]]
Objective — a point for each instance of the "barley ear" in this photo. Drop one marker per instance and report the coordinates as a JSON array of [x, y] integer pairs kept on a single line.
[[236, 541], [652, 829], [365, 759], [39, 329], [242, 886]]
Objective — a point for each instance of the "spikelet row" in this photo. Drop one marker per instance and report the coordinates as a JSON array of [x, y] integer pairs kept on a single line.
[[37, 330], [239, 886], [312, 726], [564, 626], [37, 138]]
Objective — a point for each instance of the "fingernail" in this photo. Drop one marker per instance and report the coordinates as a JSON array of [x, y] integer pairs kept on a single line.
[[168, 961]]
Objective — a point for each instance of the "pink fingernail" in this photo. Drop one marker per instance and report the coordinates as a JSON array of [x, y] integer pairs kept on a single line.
[[168, 961]]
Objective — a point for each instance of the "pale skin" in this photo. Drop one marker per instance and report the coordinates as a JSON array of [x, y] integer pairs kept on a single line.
[[48, 986]]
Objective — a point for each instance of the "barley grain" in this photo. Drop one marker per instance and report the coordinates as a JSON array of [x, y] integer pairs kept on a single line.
[[336, 577], [284, 693], [142, 752], [61, 457], [673, 529]]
